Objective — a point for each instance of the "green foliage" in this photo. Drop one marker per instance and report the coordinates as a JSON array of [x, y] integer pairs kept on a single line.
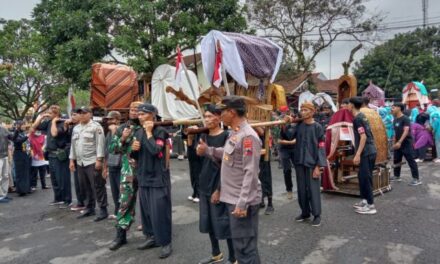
[[408, 57], [79, 33], [30, 78], [82, 98]]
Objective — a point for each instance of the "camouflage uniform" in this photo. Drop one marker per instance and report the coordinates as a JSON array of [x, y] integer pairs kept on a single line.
[[128, 185]]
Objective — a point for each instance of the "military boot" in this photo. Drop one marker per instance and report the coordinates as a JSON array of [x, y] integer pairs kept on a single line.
[[120, 240]]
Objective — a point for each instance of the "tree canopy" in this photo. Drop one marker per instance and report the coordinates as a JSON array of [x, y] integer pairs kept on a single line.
[[412, 56], [79, 33], [304, 28], [27, 82]]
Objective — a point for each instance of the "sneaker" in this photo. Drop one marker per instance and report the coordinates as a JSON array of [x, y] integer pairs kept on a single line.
[[415, 182], [418, 160], [65, 205], [190, 198], [56, 203], [180, 157], [196, 200], [289, 195], [77, 208], [437, 160], [395, 179], [367, 209], [4, 200], [316, 221], [360, 204], [302, 218], [213, 259], [139, 228], [269, 210], [33, 188]]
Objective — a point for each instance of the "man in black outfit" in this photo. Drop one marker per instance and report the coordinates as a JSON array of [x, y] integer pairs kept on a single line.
[[365, 157], [287, 145], [403, 146], [153, 174], [213, 213]]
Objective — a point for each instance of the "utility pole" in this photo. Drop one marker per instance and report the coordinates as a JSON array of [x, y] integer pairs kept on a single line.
[[425, 12]]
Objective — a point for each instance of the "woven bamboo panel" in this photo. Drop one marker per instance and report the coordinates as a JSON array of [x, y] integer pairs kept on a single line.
[[253, 112], [379, 133]]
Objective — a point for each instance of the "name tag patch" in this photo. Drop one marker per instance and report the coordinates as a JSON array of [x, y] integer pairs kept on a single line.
[[247, 145]]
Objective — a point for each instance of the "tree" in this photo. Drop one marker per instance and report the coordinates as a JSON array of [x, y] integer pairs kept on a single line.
[[304, 28], [412, 56], [79, 33], [27, 80]]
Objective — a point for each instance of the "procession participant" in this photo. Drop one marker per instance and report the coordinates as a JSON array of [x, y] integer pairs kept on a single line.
[[57, 140], [434, 122], [154, 181], [265, 176], [287, 145], [309, 159], [68, 126], [240, 187], [87, 153], [38, 165], [112, 161], [344, 103], [365, 157], [213, 213], [4, 164], [195, 167], [22, 162], [121, 144], [403, 146]]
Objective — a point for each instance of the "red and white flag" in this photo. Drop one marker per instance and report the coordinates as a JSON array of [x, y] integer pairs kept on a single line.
[[179, 68], [217, 78], [71, 104]]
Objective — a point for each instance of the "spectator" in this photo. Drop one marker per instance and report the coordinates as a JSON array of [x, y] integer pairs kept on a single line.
[[38, 166]]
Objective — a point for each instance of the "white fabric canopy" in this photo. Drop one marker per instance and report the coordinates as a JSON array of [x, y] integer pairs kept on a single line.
[[318, 98], [170, 108]]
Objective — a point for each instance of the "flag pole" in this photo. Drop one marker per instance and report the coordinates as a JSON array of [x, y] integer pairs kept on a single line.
[[192, 90], [225, 80]]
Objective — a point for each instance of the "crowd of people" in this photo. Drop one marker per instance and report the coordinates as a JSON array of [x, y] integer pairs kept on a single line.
[[230, 175]]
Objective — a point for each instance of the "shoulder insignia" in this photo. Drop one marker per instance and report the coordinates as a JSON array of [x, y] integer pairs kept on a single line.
[[247, 147]]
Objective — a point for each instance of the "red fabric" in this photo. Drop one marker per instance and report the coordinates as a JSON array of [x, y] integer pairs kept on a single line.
[[342, 115], [217, 78], [37, 143]]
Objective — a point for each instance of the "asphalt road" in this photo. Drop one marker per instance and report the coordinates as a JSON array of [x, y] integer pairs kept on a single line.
[[405, 230]]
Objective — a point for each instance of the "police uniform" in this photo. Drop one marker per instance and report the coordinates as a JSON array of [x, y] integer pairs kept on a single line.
[[88, 146], [154, 182], [239, 185]]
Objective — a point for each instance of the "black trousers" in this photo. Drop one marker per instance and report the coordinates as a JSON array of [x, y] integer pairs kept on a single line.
[[155, 205], [114, 175], [244, 233], [36, 172], [61, 184], [22, 165], [286, 156], [92, 185], [408, 153], [79, 195], [265, 177], [309, 191], [365, 177], [195, 167], [421, 152]]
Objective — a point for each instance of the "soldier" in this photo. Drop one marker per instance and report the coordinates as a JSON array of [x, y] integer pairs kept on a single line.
[[57, 146], [240, 187], [154, 180], [87, 150], [112, 164], [121, 144]]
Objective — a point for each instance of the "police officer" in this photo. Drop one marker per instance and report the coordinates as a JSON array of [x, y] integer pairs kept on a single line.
[[153, 176], [87, 150], [240, 187]]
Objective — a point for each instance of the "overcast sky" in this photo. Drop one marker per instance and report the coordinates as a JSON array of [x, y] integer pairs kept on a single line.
[[399, 13]]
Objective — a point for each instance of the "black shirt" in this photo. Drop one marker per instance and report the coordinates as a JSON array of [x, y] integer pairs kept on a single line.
[[62, 140], [209, 180], [152, 170], [362, 126], [399, 125], [287, 133], [309, 149], [18, 138]]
